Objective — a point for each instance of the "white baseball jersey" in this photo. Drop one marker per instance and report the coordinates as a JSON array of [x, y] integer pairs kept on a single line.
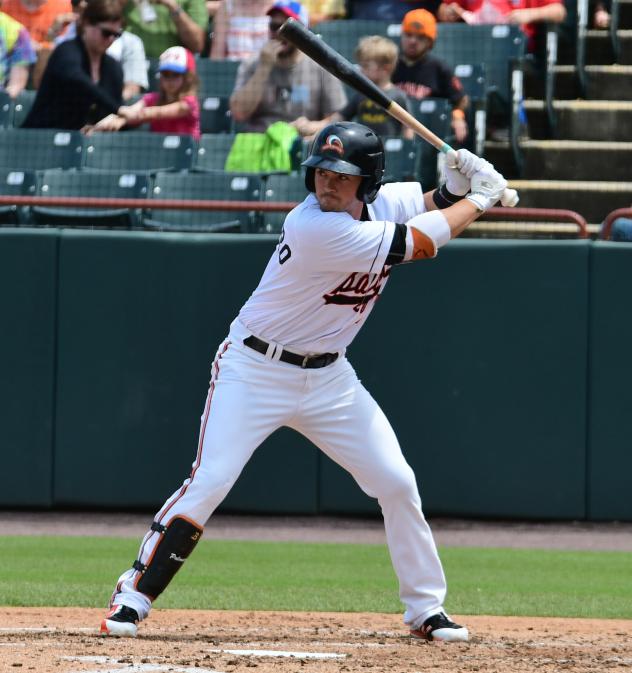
[[328, 269]]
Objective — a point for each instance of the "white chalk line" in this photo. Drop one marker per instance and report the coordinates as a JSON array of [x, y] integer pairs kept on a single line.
[[134, 668], [281, 653]]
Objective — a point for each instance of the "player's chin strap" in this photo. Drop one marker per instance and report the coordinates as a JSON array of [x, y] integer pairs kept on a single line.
[[177, 541]]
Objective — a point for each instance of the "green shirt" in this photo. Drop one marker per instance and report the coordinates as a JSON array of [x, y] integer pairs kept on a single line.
[[162, 33]]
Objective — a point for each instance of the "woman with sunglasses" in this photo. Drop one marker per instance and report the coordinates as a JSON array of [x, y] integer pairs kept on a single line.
[[81, 83]]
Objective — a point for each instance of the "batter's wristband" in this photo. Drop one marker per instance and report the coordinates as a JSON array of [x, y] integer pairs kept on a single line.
[[443, 198]]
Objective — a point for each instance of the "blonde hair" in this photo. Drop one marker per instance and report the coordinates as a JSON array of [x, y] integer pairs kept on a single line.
[[378, 49]]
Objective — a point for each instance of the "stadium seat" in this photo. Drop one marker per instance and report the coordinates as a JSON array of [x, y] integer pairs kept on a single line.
[[139, 151], [281, 188], [343, 35], [215, 115], [39, 149], [497, 46], [212, 150], [472, 77], [435, 114], [400, 157], [81, 183], [203, 186], [22, 106], [217, 77], [15, 183], [6, 110]]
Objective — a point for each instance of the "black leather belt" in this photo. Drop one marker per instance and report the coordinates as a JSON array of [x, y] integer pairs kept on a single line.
[[304, 361]]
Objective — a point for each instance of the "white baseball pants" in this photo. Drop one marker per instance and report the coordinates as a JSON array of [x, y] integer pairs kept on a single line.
[[250, 396]]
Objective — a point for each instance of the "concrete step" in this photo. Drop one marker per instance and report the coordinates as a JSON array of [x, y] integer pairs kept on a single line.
[[582, 120], [565, 160], [593, 200], [604, 82], [598, 50]]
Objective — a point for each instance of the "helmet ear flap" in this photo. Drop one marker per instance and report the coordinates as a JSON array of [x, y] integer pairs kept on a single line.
[[310, 181]]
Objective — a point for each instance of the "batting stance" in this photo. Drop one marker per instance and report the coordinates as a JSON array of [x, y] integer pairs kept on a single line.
[[283, 364]]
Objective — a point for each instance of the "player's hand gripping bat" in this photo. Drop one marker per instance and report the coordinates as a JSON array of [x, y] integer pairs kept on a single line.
[[301, 37]]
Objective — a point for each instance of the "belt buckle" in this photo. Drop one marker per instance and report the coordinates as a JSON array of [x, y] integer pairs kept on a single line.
[[305, 361]]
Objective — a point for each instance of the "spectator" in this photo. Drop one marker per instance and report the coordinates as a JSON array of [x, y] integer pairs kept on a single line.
[[621, 229], [128, 50], [161, 24], [526, 13], [174, 108], [38, 17], [601, 14], [392, 11], [420, 75], [81, 83], [281, 83], [240, 29], [16, 55], [324, 10], [377, 57]]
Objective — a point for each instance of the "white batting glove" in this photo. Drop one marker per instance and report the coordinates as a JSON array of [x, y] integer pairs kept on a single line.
[[457, 175], [487, 187]]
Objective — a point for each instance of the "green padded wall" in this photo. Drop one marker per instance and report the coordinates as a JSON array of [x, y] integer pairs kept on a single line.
[[479, 360], [610, 429], [28, 268], [140, 318]]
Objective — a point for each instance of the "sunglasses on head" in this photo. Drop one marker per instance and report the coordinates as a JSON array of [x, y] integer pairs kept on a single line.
[[108, 32]]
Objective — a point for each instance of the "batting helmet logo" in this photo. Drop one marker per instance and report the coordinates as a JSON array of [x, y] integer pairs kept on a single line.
[[333, 142]]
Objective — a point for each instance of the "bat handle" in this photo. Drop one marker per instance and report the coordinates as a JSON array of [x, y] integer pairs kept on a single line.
[[510, 197]]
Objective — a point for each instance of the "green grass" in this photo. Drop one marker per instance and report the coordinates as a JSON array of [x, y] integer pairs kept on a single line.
[[72, 571]]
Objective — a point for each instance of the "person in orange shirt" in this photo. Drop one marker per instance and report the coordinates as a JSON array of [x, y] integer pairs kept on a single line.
[[38, 17]]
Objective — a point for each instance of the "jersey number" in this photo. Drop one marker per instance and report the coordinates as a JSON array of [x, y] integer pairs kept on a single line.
[[284, 250]]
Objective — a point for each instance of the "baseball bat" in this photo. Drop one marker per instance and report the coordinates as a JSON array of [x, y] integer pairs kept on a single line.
[[302, 38]]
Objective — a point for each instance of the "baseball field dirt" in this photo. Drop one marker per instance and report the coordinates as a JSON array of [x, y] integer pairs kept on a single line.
[[66, 640]]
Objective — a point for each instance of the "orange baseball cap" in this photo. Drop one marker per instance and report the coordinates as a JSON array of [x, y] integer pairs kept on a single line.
[[420, 22]]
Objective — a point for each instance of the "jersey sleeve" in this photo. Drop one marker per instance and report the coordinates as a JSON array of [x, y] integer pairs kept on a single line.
[[337, 242], [398, 202]]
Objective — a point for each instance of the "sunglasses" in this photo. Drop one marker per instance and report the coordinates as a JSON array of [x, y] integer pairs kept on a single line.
[[108, 33]]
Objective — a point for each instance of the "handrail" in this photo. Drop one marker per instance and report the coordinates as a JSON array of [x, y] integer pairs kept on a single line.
[[612, 30], [580, 47], [606, 227], [552, 40], [539, 215], [534, 214]]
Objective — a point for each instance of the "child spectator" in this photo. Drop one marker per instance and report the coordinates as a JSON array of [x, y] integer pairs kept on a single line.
[[16, 55], [420, 75], [377, 58], [240, 29], [174, 108]]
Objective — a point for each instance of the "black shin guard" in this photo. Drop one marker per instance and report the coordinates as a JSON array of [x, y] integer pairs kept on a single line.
[[177, 541]]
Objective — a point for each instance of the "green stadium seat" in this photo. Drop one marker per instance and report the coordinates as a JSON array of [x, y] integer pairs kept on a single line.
[[435, 114], [399, 159], [215, 115], [281, 188], [202, 186], [212, 150], [217, 77], [6, 110], [22, 106], [138, 151], [497, 46], [96, 184], [343, 35], [15, 183], [39, 149], [472, 77]]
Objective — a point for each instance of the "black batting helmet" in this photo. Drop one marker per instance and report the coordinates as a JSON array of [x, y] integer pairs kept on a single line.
[[352, 149]]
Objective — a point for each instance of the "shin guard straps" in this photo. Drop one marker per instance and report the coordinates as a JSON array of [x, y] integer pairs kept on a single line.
[[177, 541]]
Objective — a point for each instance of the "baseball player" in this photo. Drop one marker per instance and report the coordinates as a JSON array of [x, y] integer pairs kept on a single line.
[[283, 363]]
